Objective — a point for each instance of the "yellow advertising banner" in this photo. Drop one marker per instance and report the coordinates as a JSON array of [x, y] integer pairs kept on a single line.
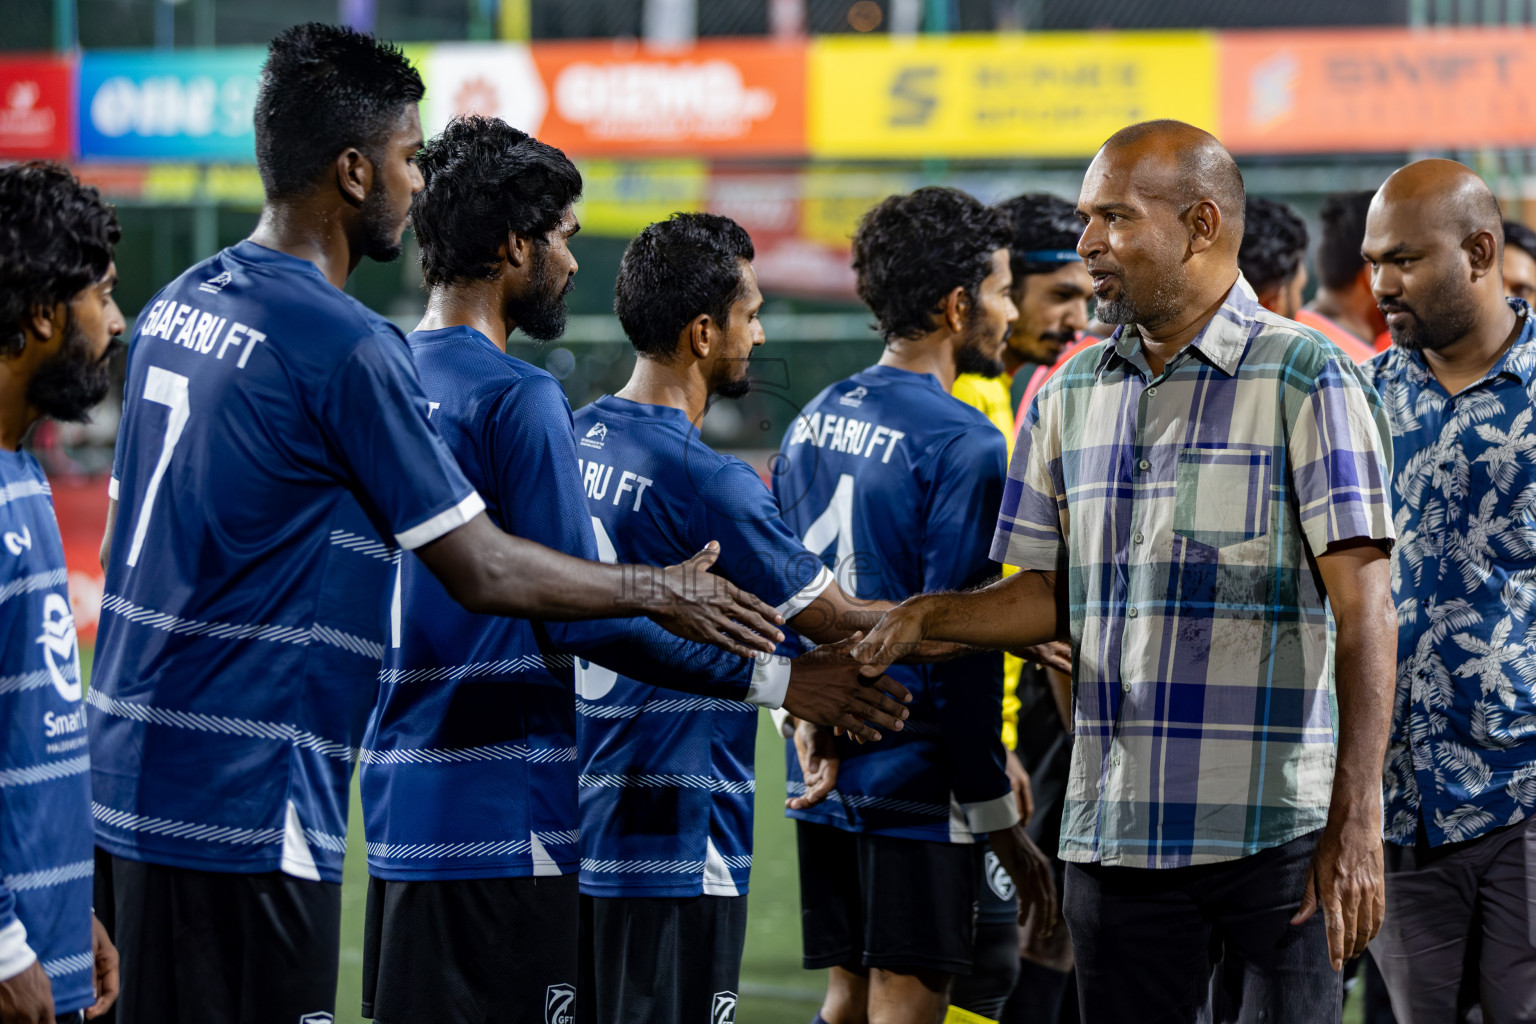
[[1055, 95]]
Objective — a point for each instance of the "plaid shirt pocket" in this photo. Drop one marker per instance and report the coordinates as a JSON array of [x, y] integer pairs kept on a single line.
[[1223, 495]]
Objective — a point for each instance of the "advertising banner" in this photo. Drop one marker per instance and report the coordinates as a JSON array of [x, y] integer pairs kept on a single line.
[[37, 108], [742, 98], [172, 105], [1377, 90], [1048, 95]]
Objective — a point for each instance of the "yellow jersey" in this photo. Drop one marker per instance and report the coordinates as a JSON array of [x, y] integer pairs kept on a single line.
[[993, 396]]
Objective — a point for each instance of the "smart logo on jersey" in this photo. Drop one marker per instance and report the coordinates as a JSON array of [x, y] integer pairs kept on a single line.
[[214, 285], [560, 1000], [998, 879], [15, 542], [855, 397], [596, 436], [59, 645], [724, 1011]]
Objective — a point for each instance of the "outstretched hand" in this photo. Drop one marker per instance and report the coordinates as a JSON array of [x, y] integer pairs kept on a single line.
[[695, 604], [828, 687], [898, 634]]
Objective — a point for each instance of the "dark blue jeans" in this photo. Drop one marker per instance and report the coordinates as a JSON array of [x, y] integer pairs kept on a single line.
[[1146, 940]]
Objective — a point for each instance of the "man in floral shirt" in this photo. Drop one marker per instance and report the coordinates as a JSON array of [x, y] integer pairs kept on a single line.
[[1460, 778]]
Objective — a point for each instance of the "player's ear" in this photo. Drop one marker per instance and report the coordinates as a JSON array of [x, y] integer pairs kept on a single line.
[[354, 174], [700, 331], [518, 249], [42, 323], [956, 307]]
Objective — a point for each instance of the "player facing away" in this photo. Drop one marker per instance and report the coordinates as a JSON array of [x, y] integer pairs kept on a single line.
[[58, 329], [884, 476], [666, 782], [274, 454], [469, 761]]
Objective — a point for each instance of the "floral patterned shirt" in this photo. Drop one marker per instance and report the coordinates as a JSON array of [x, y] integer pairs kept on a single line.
[[1462, 756]]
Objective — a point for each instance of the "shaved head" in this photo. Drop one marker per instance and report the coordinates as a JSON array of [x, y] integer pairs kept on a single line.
[[1434, 239], [1162, 213], [1448, 196], [1194, 165]]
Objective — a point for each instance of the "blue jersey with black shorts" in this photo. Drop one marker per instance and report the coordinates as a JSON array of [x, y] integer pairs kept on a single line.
[[469, 763], [894, 482], [666, 780], [45, 787], [274, 453]]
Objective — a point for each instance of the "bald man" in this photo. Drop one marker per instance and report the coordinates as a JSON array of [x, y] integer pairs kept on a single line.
[[1213, 478], [1459, 383]]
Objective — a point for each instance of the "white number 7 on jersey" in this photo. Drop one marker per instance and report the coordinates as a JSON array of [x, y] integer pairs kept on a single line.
[[169, 389]]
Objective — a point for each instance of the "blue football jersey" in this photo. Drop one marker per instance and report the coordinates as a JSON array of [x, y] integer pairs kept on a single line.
[[893, 482], [45, 785], [469, 763], [666, 781], [274, 450]]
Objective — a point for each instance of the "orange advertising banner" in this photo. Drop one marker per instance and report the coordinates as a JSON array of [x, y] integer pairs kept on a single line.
[[743, 98], [1377, 90]]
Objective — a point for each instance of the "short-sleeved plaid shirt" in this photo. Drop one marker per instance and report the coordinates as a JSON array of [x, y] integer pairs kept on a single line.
[[1203, 656]]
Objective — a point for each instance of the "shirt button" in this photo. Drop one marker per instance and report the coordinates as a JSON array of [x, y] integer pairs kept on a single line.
[[1144, 465], [1138, 538], [1131, 613], [1151, 392], [1115, 761], [1126, 687]]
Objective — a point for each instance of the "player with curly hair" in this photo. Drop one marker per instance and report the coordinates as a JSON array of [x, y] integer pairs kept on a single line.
[[58, 329], [884, 475]]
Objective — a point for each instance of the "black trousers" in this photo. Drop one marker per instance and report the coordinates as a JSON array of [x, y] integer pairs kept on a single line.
[[201, 946], [1146, 940]]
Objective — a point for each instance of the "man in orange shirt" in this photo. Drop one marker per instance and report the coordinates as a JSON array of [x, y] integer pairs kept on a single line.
[[1344, 308], [1519, 261]]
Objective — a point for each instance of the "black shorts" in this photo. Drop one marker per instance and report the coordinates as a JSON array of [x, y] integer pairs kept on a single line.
[[661, 960], [875, 901], [471, 951], [995, 959], [200, 946]]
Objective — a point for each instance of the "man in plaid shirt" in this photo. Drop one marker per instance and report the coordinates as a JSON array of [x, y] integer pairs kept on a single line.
[[1227, 472]]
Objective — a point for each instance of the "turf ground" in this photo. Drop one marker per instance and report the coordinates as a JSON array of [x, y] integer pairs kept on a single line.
[[774, 989]]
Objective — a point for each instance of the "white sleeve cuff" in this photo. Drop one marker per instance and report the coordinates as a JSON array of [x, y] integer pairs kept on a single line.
[[770, 682], [801, 599], [443, 522], [992, 815], [780, 718], [112, 488], [15, 955]]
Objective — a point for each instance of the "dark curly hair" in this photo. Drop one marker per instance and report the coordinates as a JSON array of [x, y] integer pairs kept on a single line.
[[1521, 237], [325, 89], [56, 239], [1338, 256], [912, 250], [1039, 222], [484, 179], [1274, 243], [675, 270]]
